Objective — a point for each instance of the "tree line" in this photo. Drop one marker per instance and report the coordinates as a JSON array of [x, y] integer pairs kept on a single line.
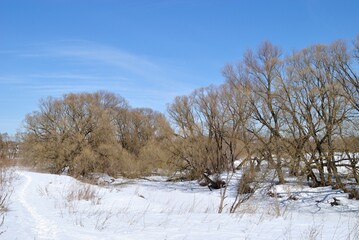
[[95, 132], [9, 147], [296, 113]]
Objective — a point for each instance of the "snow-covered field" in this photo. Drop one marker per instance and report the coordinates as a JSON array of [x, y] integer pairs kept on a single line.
[[45, 206]]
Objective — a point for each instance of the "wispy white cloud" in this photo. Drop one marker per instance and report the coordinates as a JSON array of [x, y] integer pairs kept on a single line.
[[58, 89], [61, 67], [11, 79], [89, 52], [66, 76]]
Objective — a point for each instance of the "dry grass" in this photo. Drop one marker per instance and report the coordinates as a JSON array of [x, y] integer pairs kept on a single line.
[[6, 179], [44, 191], [69, 203], [313, 232], [246, 187], [85, 192]]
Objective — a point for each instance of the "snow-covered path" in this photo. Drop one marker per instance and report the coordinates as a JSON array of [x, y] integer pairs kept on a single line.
[[44, 228], [35, 216], [43, 206]]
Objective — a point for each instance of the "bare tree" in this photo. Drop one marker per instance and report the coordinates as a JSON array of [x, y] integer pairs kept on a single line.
[[345, 72], [191, 145], [74, 131], [322, 106], [263, 72], [240, 140]]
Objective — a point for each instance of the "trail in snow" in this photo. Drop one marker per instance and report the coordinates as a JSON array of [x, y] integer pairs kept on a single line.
[[162, 210], [44, 229]]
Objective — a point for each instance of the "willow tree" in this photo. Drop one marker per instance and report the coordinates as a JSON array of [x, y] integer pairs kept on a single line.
[[264, 71], [74, 131]]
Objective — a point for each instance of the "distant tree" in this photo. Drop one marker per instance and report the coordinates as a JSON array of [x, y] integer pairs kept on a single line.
[[144, 133], [76, 132], [2, 147], [187, 146], [210, 127], [9, 146], [95, 132], [136, 127]]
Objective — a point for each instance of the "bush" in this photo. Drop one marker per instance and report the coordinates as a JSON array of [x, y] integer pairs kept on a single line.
[[6, 178]]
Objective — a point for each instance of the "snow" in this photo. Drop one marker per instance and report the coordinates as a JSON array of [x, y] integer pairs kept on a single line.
[[46, 206]]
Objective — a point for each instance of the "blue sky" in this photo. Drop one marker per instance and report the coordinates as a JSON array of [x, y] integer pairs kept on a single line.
[[148, 51]]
